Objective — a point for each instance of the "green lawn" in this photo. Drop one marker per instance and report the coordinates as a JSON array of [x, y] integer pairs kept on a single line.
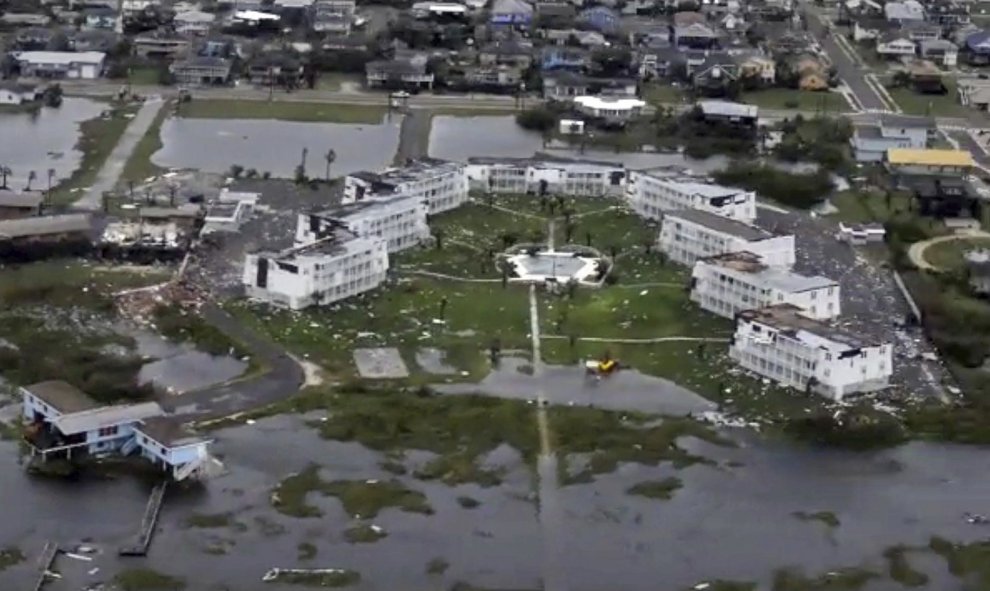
[[139, 166], [659, 94], [282, 110], [144, 76], [939, 105], [787, 98], [97, 139], [868, 206], [949, 255], [332, 81]]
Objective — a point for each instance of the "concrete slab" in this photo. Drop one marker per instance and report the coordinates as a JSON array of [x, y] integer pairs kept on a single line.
[[380, 363]]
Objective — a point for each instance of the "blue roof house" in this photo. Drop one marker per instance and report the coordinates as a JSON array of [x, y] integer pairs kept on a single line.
[[62, 421], [600, 18], [978, 47], [511, 12]]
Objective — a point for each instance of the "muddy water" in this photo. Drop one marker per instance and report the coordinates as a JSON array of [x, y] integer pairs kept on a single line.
[[731, 520], [53, 132], [179, 367]]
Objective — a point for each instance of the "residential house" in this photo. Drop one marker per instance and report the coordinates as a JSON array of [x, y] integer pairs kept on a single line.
[[731, 283], [555, 15], [332, 268], [695, 36], [977, 48], [866, 28], [599, 18], [25, 19], [895, 44], [34, 38], [19, 93], [920, 31], [333, 16], [718, 8], [571, 37], [564, 85], [726, 112], [870, 141], [15, 205], [780, 343], [978, 269], [573, 59], [690, 234], [511, 12], [652, 193], [410, 73], [85, 40], [38, 237], [275, 68], [99, 18], [733, 23], [930, 162], [194, 22], [925, 77], [609, 110], [713, 76], [62, 421], [860, 234], [948, 13], [509, 52], [60, 64], [974, 93], [939, 51], [160, 45], [904, 12], [499, 79], [202, 70]]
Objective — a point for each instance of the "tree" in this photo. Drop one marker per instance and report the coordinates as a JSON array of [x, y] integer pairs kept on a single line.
[[4, 172], [443, 307], [587, 238], [236, 170], [438, 236], [329, 157], [537, 119], [51, 176], [299, 176], [568, 231]]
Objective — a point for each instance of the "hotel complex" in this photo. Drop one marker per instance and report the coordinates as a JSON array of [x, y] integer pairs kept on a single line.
[[442, 185], [690, 234], [548, 175], [650, 194]]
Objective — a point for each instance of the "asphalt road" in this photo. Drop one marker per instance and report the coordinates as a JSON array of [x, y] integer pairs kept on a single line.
[[851, 73], [113, 166]]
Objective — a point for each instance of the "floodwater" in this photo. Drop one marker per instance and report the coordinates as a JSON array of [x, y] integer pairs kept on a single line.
[[214, 145], [53, 132], [180, 367], [458, 138], [733, 519]]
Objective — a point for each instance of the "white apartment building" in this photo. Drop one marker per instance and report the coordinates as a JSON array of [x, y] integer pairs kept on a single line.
[[650, 194], [547, 175], [400, 221], [441, 184], [779, 343], [331, 269], [689, 234], [730, 283]]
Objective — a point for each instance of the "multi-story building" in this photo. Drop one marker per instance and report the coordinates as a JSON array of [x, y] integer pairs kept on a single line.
[[335, 267], [399, 220], [730, 283], [870, 141], [441, 184], [546, 175], [650, 194], [85, 65], [779, 343], [689, 234]]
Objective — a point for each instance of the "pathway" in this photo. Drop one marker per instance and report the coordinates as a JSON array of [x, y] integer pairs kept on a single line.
[[916, 252], [113, 167], [508, 210], [551, 514], [445, 276]]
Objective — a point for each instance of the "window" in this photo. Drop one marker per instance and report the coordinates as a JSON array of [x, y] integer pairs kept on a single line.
[[107, 431]]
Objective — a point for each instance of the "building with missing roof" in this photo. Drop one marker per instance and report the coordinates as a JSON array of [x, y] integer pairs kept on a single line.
[[730, 283], [442, 185], [688, 235], [780, 343], [399, 220], [650, 194]]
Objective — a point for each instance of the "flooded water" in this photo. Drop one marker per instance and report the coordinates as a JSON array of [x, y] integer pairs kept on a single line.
[[459, 138], [733, 519], [53, 132], [214, 145], [180, 367]]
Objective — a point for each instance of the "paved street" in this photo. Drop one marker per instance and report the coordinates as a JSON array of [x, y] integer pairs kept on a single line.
[[113, 167]]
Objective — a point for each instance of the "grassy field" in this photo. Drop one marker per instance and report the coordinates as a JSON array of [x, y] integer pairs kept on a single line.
[[139, 166], [658, 94], [787, 98], [939, 105], [949, 255], [98, 137], [282, 110], [868, 206]]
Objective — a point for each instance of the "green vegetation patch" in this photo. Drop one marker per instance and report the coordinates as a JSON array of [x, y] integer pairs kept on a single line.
[[827, 517], [146, 579], [609, 438], [210, 520], [364, 534], [139, 167], [185, 326], [10, 556], [948, 256], [795, 189], [656, 489], [965, 561], [282, 110], [332, 578], [899, 567], [360, 498], [792, 98]]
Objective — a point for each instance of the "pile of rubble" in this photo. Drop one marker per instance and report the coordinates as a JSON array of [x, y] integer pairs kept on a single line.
[[140, 304]]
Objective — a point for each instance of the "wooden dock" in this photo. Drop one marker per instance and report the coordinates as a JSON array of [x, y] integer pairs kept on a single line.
[[140, 545], [45, 562]]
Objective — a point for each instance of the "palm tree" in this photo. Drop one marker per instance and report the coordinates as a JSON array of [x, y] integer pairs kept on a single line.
[[32, 176], [4, 172], [51, 176], [330, 157]]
